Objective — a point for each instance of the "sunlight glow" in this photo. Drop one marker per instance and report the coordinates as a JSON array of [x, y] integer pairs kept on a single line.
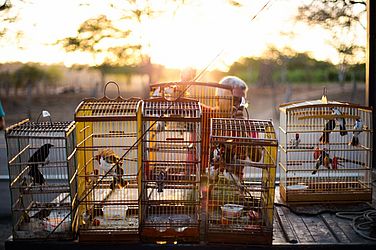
[[190, 35]]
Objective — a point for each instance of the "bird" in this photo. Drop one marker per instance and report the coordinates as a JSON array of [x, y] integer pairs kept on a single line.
[[324, 160], [43, 213], [341, 121], [295, 141], [329, 126], [160, 178], [358, 128], [39, 157], [111, 164], [316, 153], [335, 163]]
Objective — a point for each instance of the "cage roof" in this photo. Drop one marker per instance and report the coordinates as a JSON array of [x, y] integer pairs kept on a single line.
[[181, 108], [318, 103], [106, 109], [27, 128]]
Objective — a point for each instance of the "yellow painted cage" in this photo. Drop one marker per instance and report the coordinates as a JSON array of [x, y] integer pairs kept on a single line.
[[107, 169], [325, 151], [170, 184], [41, 163], [216, 101], [240, 190]]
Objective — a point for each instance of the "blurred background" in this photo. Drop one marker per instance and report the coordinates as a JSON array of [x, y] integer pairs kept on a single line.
[[55, 53]]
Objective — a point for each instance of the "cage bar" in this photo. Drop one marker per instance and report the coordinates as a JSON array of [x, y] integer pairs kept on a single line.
[[107, 181], [41, 163], [170, 179], [325, 152], [216, 101], [240, 190]]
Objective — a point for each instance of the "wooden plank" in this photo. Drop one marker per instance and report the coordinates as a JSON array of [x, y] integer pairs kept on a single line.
[[302, 232], [278, 236], [345, 225], [318, 229], [336, 230], [285, 226]]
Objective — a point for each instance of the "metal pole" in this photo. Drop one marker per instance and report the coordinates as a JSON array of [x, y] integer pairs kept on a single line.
[[371, 68]]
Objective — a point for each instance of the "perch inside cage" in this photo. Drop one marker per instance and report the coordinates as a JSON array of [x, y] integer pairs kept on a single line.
[[107, 168], [325, 151], [170, 170], [41, 166], [241, 181]]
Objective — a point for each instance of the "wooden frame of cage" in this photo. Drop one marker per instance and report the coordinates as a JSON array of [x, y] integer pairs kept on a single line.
[[52, 195], [107, 124], [251, 191], [213, 105], [336, 184], [170, 207]]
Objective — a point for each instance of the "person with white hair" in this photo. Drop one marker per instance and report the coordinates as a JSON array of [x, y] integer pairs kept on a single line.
[[239, 91]]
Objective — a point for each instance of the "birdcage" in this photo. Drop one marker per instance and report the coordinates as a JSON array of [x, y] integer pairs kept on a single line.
[[325, 151], [216, 101], [41, 161], [170, 201], [107, 169], [240, 190]]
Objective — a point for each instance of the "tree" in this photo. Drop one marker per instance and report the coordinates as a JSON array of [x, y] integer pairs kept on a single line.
[[344, 20], [108, 44]]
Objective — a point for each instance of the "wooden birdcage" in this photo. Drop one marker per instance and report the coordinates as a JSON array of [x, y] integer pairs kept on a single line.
[[41, 161], [107, 169], [240, 191], [325, 151], [170, 185], [216, 101]]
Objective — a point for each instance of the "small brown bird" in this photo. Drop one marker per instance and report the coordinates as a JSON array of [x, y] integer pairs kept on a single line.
[[111, 163]]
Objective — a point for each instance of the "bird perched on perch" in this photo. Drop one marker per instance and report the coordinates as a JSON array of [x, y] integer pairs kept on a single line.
[[323, 160], [39, 157], [160, 178], [111, 163], [329, 126], [341, 121], [44, 212], [358, 128], [295, 141]]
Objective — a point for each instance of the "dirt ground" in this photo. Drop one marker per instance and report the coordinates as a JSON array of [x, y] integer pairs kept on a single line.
[[263, 102]]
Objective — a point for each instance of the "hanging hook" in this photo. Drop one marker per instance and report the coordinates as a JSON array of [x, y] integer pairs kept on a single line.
[[44, 113], [105, 88]]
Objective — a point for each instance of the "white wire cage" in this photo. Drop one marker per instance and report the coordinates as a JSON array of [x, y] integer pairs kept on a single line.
[[170, 179], [325, 151], [41, 163]]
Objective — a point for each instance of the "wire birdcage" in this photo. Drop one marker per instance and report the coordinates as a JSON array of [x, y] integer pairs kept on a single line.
[[240, 191], [170, 186], [216, 101], [41, 162], [325, 151], [107, 183]]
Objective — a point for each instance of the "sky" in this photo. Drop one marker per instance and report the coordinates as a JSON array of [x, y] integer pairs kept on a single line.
[[200, 33]]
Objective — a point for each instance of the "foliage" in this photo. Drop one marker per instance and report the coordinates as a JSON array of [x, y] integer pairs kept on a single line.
[[342, 19], [297, 67]]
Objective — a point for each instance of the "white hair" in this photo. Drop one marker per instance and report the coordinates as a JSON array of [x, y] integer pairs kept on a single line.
[[235, 83]]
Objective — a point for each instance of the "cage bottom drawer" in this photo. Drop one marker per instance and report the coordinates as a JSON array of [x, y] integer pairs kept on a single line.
[[170, 235], [249, 238]]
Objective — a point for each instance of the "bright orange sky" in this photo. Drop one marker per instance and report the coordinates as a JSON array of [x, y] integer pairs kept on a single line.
[[191, 36]]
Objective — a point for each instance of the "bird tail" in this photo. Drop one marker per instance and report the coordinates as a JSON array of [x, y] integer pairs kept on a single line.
[[354, 141], [324, 139]]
